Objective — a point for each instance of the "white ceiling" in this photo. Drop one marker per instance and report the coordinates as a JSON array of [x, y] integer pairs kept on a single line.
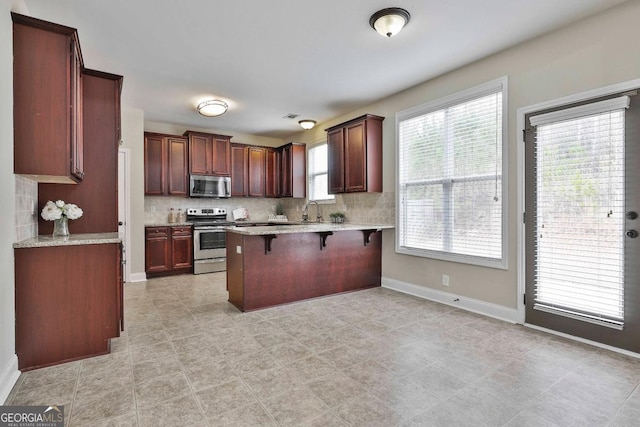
[[318, 59]]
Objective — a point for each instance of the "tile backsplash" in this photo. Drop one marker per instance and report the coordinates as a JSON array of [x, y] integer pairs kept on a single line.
[[26, 208], [365, 208], [156, 209]]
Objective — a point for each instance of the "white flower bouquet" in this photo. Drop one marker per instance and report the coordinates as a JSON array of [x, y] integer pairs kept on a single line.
[[59, 210]]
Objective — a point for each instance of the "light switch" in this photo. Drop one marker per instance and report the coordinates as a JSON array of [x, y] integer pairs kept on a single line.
[[238, 249]]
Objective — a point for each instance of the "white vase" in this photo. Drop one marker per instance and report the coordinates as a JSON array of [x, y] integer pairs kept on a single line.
[[61, 226]]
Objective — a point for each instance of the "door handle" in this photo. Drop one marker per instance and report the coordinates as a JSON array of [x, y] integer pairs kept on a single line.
[[120, 223], [632, 234], [632, 215]]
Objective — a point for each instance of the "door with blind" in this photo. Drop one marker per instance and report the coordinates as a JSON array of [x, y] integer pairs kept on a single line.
[[582, 194]]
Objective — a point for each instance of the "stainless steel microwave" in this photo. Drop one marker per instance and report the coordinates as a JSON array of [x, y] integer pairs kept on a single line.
[[209, 186]]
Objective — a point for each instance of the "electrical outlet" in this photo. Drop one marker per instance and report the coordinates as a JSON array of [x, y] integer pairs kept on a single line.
[[344, 208], [153, 208], [445, 280]]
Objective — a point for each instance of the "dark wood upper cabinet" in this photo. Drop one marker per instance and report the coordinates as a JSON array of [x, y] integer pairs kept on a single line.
[[256, 161], [272, 172], [293, 170], [209, 154], [178, 181], [335, 154], [258, 171], [238, 170], [165, 165], [355, 155], [97, 193], [47, 87], [154, 165]]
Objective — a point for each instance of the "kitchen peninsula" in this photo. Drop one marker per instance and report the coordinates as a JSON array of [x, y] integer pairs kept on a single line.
[[279, 264]]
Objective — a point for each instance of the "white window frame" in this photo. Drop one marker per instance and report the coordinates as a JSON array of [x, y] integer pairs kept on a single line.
[[439, 104], [310, 176]]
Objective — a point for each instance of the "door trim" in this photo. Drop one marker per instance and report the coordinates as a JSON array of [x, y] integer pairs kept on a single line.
[[520, 182], [127, 211]]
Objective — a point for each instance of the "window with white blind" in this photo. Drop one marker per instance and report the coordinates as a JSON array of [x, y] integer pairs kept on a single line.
[[318, 173], [579, 211], [451, 178]]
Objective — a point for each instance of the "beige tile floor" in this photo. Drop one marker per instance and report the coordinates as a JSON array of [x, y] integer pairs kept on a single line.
[[369, 358]]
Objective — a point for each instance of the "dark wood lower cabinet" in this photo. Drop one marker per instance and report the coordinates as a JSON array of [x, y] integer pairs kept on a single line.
[[181, 249], [168, 250], [68, 302], [298, 267]]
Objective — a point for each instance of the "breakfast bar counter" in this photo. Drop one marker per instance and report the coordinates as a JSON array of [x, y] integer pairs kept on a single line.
[[279, 264]]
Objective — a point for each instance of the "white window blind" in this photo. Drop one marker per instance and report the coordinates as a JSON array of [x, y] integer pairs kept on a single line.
[[318, 173], [579, 248], [450, 180]]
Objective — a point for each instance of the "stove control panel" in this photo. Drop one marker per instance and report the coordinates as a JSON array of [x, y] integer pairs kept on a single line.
[[205, 212]]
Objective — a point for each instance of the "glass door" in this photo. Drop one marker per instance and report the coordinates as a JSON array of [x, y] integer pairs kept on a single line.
[[581, 198]]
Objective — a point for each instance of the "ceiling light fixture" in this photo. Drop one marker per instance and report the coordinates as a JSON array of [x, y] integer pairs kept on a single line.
[[388, 22], [307, 124], [212, 108]]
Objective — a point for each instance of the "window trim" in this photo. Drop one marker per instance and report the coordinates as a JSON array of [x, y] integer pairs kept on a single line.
[[439, 104], [331, 201]]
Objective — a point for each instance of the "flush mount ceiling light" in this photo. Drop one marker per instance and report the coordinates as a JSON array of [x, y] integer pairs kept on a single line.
[[388, 22], [212, 108], [307, 124]]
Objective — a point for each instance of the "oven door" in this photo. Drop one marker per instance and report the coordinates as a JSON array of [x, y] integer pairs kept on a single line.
[[209, 242]]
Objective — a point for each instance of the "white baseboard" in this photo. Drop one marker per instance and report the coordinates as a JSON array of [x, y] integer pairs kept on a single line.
[[8, 378], [138, 277], [583, 340], [470, 304]]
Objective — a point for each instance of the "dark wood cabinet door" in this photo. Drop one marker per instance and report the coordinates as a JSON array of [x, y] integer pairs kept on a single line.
[[355, 155], [298, 170], [238, 170], [157, 250], [285, 172], [221, 146], [272, 173], [176, 172], [256, 162], [293, 170], [77, 137], [181, 248], [200, 155], [335, 154], [154, 164]]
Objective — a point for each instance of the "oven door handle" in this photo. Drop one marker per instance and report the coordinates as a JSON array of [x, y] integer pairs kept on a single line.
[[209, 228]]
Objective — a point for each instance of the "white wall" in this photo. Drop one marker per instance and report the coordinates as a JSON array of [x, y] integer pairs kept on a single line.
[[8, 361], [596, 52]]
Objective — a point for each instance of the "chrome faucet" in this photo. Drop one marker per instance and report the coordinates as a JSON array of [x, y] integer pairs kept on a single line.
[[305, 212]]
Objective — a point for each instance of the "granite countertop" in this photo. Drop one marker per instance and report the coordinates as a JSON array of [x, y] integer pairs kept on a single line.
[[169, 224], [312, 227], [73, 240]]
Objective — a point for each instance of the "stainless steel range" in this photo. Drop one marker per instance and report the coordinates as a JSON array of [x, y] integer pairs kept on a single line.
[[209, 239]]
